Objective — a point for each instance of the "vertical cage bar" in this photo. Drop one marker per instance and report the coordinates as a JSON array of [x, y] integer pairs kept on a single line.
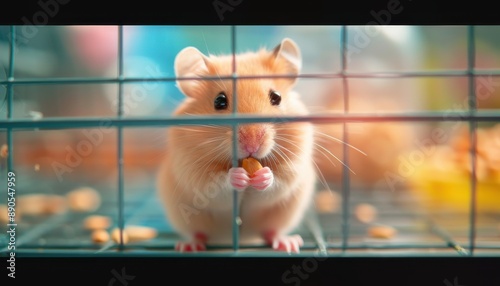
[[345, 169], [236, 218], [10, 97], [120, 137], [471, 53]]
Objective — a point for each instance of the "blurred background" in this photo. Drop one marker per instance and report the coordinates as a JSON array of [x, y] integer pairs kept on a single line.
[[427, 161]]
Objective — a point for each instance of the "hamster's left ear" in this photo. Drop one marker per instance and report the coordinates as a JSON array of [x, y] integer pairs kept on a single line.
[[287, 55]]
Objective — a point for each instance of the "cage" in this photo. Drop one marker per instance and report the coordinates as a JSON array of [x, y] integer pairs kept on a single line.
[[88, 107]]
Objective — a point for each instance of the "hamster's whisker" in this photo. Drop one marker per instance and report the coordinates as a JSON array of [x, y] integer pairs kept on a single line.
[[213, 151], [338, 140], [203, 169], [182, 137], [328, 151], [200, 171], [284, 156], [212, 140], [320, 174], [273, 160], [324, 154], [197, 130]]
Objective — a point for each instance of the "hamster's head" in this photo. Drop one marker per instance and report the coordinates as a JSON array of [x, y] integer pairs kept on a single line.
[[271, 96]]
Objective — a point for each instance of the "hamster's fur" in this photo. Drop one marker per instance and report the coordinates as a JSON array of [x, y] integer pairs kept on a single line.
[[196, 179]]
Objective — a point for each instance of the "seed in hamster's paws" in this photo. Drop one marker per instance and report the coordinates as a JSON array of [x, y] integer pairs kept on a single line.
[[251, 165], [238, 178], [288, 243], [262, 179], [185, 246]]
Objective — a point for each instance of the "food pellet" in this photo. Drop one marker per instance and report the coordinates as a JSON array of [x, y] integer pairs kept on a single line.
[[115, 235], [55, 204], [4, 151], [32, 204], [327, 201], [96, 222], [382, 231], [365, 213], [100, 236], [251, 165], [4, 215], [84, 199], [37, 167], [138, 233]]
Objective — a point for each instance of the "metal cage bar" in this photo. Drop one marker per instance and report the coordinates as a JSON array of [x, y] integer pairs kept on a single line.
[[10, 100], [121, 195], [471, 55], [236, 219], [345, 169], [339, 75]]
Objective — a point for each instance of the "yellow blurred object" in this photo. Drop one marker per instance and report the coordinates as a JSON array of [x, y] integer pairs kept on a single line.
[[444, 179]]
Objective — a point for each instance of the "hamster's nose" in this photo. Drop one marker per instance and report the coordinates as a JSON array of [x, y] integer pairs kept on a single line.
[[250, 138]]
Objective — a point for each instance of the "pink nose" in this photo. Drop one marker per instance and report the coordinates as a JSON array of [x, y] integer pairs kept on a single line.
[[251, 148], [250, 138]]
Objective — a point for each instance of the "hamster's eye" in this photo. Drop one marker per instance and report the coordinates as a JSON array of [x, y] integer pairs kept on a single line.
[[220, 102], [275, 97]]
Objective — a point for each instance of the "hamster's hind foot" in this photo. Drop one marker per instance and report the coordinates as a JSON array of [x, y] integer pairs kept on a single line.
[[198, 244], [190, 246], [288, 243]]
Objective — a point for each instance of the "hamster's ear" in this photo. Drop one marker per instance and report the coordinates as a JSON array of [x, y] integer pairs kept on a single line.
[[289, 53], [190, 62]]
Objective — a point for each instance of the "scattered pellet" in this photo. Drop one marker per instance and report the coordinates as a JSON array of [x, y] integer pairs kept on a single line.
[[37, 167], [382, 231], [365, 213], [84, 199], [4, 215], [138, 233], [4, 151], [55, 204], [327, 201], [101, 236], [96, 222], [32, 204], [115, 235]]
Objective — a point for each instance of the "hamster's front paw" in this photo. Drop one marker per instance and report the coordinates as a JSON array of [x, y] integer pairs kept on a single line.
[[190, 246], [262, 179], [238, 178]]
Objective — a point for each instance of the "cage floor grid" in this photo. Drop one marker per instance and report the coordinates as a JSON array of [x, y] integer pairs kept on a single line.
[[417, 233]]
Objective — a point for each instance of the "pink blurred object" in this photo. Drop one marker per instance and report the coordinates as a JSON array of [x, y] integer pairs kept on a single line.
[[96, 47]]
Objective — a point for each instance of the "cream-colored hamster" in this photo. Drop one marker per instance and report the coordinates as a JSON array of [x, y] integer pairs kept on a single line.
[[197, 179]]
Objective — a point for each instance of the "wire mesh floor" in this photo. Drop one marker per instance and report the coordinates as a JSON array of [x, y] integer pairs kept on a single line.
[[418, 233]]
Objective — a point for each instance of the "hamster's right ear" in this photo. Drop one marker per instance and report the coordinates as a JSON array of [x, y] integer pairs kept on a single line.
[[190, 62]]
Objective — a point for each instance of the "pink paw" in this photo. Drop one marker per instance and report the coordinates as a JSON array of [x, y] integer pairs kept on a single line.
[[289, 243], [262, 179], [238, 178], [184, 246]]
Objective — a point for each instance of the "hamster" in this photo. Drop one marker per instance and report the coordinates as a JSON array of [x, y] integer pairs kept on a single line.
[[196, 178]]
